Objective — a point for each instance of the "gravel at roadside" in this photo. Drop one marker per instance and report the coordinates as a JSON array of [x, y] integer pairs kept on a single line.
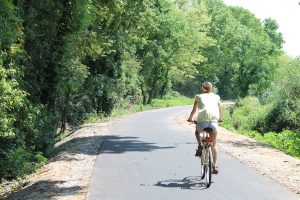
[[67, 175]]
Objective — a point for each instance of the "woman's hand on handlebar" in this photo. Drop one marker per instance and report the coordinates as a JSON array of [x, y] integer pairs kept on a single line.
[[190, 120]]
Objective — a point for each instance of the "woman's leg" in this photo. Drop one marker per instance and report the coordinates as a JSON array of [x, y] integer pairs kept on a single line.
[[198, 137], [214, 148], [197, 134]]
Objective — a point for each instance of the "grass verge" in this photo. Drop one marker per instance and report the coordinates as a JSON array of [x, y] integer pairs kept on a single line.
[[155, 104]]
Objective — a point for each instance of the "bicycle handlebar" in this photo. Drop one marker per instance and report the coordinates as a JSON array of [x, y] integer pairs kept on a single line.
[[195, 122]]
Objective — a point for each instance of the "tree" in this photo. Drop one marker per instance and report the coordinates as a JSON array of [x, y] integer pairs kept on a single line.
[[283, 97], [172, 51], [243, 59]]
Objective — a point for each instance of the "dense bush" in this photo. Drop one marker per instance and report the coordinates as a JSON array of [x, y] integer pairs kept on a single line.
[[251, 122], [286, 141], [20, 162], [247, 113], [284, 97], [274, 116]]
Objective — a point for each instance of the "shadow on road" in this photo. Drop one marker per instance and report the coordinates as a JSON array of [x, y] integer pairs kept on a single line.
[[191, 183], [44, 190], [115, 144], [112, 144]]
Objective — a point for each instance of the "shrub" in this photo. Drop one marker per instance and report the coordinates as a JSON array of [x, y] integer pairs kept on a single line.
[[249, 117], [284, 98], [248, 113], [18, 163], [290, 142], [227, 120]]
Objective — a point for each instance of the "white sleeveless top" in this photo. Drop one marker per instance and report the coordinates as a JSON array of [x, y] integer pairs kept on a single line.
[[208, 107]]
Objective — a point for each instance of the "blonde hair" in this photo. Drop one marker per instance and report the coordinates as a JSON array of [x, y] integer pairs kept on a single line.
[[206, 87]]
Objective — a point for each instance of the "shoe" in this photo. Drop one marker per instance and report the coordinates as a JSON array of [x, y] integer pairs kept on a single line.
[[199, 151], [215, 170]]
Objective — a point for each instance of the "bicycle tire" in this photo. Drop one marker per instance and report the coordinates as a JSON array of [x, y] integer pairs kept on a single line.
[[202, 167], [208, 168]]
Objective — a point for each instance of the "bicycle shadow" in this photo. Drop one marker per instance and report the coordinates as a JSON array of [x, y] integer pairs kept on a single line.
[[190, 182]]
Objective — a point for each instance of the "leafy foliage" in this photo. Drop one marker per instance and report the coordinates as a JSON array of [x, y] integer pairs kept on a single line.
[[243, 57], [284, 97], [274, 117]]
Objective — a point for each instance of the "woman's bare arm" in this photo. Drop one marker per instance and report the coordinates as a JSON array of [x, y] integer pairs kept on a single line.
[[195, 109], [220, 111]]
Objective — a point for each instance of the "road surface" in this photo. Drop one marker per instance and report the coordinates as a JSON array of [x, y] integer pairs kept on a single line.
[[147, 156]]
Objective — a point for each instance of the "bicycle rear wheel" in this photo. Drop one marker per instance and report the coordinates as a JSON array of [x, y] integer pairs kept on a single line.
[[208, 168], [202, 167]]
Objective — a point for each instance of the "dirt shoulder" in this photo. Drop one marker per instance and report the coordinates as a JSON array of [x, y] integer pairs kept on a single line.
[[67, 175], [267, 161]]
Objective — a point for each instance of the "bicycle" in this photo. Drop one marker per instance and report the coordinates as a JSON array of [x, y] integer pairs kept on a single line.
[[206, 156]]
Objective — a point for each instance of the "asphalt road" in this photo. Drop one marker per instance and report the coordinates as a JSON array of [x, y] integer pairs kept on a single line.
[[147, 156]]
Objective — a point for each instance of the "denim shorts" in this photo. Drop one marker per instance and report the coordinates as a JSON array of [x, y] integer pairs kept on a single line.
[[213, 125]]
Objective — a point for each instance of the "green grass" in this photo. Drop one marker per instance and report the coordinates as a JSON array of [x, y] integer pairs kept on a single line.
[[155, 104], [171, 101], [62, 135], [286, 141]]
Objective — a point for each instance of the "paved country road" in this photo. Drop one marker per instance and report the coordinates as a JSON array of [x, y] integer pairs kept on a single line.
[[147, 156]]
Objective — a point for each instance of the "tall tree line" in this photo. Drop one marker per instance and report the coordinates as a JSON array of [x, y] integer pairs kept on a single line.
[[243, 56], [61, 61]]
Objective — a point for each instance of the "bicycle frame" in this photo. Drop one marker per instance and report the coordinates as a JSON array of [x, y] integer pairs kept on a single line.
[[206, 144], [206, 158]]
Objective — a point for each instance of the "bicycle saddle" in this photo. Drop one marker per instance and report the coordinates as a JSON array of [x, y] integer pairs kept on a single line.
[[208, 129]]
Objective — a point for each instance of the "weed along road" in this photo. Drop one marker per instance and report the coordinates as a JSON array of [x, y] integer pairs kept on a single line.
[[148, 156]]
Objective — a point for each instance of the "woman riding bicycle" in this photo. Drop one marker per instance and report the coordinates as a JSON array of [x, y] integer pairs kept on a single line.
[[209, 115]]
